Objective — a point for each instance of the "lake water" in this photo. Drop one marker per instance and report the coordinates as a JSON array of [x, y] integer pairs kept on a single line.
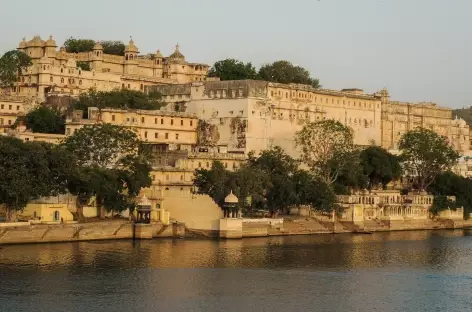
[[402, 271]]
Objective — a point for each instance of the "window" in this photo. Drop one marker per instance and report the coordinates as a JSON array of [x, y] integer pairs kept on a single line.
[[62, 80], [176, 136], [199, 163], [156, 135], [145, 134], [208, 165], [162, 121], [80, 82], [9, 107], [155, 121], [51, 79], [9, 122], [3, 106], [142, 119], [181, 122], [181, 177], [172, 122], [153, 177], [18, 107], [112, 117], [191, 123], [167, 136]]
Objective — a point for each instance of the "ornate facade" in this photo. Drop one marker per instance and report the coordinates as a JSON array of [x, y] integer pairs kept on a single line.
[[56, 71]]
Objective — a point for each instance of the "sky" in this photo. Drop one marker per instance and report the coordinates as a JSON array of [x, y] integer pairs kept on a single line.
[[420, 50]]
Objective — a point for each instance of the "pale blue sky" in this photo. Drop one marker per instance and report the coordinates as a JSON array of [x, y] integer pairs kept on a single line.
[[420, 49]]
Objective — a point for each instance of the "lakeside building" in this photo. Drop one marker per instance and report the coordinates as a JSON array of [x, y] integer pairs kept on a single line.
[[255, 115], [57, 72]]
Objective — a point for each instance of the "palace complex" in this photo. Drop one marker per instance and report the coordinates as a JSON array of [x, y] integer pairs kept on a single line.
[[57, 72]]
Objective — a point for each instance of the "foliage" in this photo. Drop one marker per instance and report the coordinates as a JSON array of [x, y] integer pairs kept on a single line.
[[31, 170], [286, 72], [464, 113], [441, 203], [231, 69], [73, 45], [451, 184], [326, 147], [426, 154], [84, 65], [120, 99], [102, 145], [12, 65], [271, 181], [44, 120], [379, 166], [113, 47], [110, 166]]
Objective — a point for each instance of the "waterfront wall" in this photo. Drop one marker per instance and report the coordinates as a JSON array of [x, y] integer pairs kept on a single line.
[[18, 233]]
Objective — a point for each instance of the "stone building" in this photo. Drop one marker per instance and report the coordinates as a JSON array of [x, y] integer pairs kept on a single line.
[[401, 117], [57, 72], [255, 115], [10, 109]]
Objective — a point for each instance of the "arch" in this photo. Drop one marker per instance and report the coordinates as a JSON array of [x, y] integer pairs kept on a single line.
[[57, 216]]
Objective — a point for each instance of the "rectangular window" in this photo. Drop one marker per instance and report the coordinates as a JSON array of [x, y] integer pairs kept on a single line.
[[3, 106], [156, 135], [9, 107], [172, 122], [191, 123], [155, 121], [176, 136], [145, 135], [142, 119], [167, 135], [112, 117], [18, 107], [9, 122], [162, 121], [181, 122]]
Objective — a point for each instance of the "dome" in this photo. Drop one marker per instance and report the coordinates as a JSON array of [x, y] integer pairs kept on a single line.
[[97, 46], [158, 54], [177, 56], [45, 60], [131, 47], [51, 42], [144, 201], [231, 198], [36, 42], [23, 44]]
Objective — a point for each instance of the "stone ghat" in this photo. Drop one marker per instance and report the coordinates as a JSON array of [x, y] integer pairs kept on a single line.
[[21, 234]]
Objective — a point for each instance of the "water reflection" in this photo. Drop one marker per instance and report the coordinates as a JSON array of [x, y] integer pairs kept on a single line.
[[402, 271]]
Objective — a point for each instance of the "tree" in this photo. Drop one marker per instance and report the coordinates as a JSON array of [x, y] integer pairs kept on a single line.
[[441, 203], [102, 145], [120, 99], [12, 65], [213, 182], [113, 47], [451, 184], [280, 169], [286, 72], [30, 170], [44, 120], [326, 147], [426, 154], [84, 65], [314, 192], [73, 45], [232, 69], [110, 167], [380, 166]]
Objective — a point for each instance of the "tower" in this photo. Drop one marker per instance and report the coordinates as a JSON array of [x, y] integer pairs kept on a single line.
[[131, 58], [97, 56]]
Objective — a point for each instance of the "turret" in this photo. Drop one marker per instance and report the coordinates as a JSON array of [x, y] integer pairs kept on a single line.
[[131, 58], [97, 56], [50, 47]]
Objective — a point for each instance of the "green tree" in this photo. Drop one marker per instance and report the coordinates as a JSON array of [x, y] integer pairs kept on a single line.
[[119, 99], [84, 65], [44, 120], [231, 69], [113, 47], [30, 170], [441, 203], [314, 192], [451, 184], [286, 72], [213, 182], [426, 154], [110, 166], [327, 148], [12, 65], [280, 169], [73, 45], [380, 166]]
